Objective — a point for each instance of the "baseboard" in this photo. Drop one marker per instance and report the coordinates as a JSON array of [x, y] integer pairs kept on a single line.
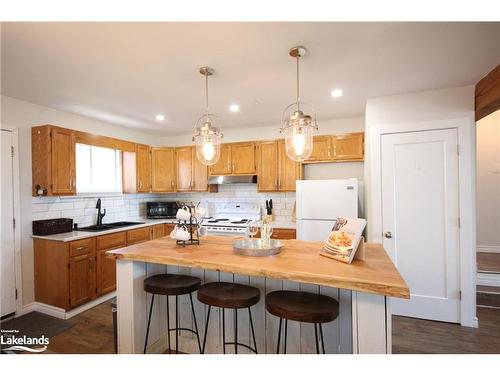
[[488, 249], [89, 305], [56, 312], [488, 279]]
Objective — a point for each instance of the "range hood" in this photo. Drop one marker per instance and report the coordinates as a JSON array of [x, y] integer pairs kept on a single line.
[[227, 180]]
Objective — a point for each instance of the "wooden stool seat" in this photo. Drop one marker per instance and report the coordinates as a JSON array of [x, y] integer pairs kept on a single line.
[[228, 295], [302, 306], [171, 285]]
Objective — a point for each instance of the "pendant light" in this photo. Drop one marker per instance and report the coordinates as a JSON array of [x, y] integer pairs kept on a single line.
[[206, 135], [297, 126]]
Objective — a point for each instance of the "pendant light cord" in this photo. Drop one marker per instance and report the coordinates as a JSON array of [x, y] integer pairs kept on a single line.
[[298, 97], [206, 93]]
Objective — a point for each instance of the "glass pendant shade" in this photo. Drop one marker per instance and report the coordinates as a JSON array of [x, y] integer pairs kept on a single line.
[[207, 140]]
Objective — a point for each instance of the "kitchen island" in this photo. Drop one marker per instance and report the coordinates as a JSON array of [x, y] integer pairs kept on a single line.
[[362, 288]]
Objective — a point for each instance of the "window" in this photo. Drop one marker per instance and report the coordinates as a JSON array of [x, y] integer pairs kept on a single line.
[[98, 169]]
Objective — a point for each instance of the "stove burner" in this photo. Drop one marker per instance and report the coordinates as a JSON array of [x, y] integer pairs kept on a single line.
[[217, 220], [242, 221]]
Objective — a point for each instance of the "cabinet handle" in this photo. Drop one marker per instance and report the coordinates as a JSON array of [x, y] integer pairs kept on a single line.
[[81, 247], [91, 264], [140, 184], [194, 184], [276, 184], [279, 184], [329, 151], [334, 150], [234, 167], [172, 184], [229, 167]]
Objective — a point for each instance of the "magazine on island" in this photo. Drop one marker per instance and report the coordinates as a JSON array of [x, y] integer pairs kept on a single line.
[[344, 238]]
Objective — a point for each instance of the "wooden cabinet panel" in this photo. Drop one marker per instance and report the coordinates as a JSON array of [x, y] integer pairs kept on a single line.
[[348, 147], [284, 234], [322, 149], [112, 240], [169, 228], [243, 158], [81, 279], [81, 247], [223, 165], [158, 231], [106, 272], [268, 166], [200, 174], [163, 172], [138, 235], [143, 165], [289, 171], [63, 161], [184, 157]]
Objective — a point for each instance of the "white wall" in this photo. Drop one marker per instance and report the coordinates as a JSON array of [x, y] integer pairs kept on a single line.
[[488, 183], [425, 111]]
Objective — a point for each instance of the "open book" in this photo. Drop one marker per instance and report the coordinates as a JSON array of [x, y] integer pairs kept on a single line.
[[344, 238]]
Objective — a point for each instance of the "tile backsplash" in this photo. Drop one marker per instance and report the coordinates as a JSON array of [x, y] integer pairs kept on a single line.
[[133, 206]]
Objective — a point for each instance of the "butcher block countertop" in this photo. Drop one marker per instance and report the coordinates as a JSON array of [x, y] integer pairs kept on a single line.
[[298, 261]]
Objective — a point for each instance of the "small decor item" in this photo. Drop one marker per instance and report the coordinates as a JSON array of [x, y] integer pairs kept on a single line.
[[256, 247], [266, 230], [253, 228], [188, 228], [344, 239], [183, 213], [206, 136], [297, 125]]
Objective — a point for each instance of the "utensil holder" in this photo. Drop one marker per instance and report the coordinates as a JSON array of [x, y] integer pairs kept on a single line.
[[192, 225]]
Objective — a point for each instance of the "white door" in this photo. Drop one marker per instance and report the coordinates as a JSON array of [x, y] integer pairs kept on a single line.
[[8, 276], [420, 220]]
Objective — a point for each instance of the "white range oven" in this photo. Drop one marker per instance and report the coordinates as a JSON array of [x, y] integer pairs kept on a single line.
[[231, 219]]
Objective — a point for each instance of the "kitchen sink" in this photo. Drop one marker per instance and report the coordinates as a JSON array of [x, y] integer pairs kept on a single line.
[[108, 226]]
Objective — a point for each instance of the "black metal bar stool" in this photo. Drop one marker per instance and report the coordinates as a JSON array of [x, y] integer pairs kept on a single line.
[[229, 296], [302, 307], [172, 285]]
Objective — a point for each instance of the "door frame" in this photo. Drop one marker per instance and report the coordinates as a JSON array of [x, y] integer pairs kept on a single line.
[[467, 197], [17, 217]]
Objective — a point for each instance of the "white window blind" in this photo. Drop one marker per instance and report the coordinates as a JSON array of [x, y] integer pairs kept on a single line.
[[98, 169]]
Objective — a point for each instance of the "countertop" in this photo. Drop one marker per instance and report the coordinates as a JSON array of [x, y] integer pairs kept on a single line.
[[299, 261], [78, 235]]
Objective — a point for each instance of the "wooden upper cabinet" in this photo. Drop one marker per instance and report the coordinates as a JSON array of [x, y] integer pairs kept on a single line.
[[184, 157], [223, 165], [322, 149], [53, 160], [268, 166], [143, 165], [243, 158], [348, 147], [200, 174], [163, 169], [289, 171]]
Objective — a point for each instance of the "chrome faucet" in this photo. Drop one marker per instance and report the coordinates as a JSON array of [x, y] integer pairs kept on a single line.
[[100, 214]]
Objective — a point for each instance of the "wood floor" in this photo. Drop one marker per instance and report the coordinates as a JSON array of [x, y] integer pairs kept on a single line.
[[488, 262], [93, 333]]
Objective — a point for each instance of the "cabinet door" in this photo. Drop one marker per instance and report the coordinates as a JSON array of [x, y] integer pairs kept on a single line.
[[158, 231], [169, 228], [143, 160], [267, 179], [200, 174], [289, 171], [162, 169], [81, 279], [106, 272], [321, 149], [348, 147], [243, 158], [63, 162], [223, 166], [184, 158], [283, 234]]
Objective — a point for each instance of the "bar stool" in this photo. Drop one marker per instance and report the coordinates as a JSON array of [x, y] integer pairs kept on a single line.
[[172, 285], [229, 296], [302, 307]]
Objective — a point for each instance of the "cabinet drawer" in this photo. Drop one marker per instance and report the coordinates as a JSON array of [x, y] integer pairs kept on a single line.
[[138, 235], [112, 240], [81, 247], [283, 234]]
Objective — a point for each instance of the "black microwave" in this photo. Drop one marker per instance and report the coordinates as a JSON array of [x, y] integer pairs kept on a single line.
[[161, 210]]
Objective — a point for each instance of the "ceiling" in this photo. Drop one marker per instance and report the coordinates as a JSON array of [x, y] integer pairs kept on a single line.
[[126, 73]]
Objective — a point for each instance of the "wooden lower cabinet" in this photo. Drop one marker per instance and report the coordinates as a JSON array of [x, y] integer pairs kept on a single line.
[[158, 231], [282, 234], [138, 235], [169, 228], [82, 280], [106, 267]]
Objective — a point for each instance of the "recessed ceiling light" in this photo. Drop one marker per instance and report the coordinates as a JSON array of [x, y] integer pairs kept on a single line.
[[234, 107], [160, 117], [336, 93]]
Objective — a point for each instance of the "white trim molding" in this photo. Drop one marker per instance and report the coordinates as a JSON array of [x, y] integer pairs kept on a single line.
[[488, 279], [488, 249]]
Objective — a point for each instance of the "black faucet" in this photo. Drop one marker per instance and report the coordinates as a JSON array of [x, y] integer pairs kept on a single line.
[[100, 214]]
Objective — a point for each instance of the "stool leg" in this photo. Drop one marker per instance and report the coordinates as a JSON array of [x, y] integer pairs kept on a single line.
[[206, 330], [235, 331], [176, 324], [286, 330], [316, 337], [279, 337], [168, 326], [253, 332], [195, 324], [149, 322], [223, 331], [322, 340]]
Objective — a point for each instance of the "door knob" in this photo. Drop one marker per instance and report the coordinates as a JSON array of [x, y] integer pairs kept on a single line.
[[388, 235]]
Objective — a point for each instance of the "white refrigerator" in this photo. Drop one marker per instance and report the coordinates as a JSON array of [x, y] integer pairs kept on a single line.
[[320, 202]]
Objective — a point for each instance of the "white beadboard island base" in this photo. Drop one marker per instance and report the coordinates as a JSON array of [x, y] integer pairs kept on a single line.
[[363, 325]]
